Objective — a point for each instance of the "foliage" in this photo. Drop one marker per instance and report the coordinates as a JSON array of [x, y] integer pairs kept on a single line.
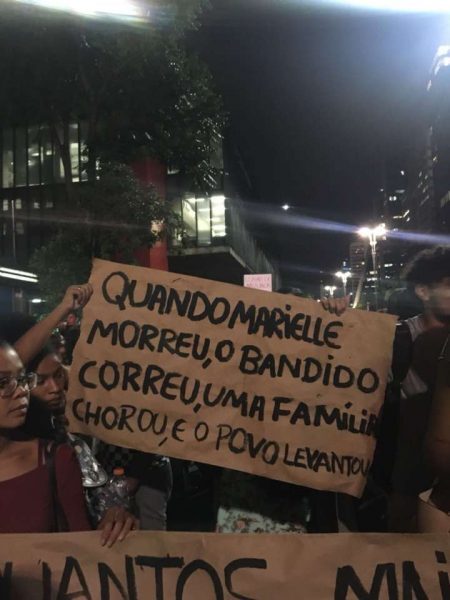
[[139, 92], [138, 89], [111, 220]]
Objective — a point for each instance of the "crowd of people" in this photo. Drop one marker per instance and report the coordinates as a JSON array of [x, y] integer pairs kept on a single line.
[[51, 480]]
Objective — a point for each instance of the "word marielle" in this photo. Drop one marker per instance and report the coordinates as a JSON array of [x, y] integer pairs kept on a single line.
[[197, 306]]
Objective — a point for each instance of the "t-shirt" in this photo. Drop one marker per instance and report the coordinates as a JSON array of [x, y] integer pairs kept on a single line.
[[26, 504]]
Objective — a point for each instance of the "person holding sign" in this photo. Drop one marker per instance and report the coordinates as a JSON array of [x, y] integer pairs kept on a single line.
[[26, 465], [33, 468], [428, 276]]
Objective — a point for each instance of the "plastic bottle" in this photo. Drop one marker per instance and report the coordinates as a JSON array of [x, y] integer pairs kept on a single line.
[[118, 488]]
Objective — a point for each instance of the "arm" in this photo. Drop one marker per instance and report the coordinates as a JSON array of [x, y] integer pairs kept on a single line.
[[32, 342], [116, 523]]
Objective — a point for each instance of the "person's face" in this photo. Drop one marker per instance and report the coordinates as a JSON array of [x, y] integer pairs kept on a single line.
[[436, 299], [50, 382], [13, 404]]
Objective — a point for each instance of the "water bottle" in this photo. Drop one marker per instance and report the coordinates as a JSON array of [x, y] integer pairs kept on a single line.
[[117, 488]]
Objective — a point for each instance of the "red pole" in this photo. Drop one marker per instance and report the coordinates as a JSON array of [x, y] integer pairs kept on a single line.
[[151, 171]]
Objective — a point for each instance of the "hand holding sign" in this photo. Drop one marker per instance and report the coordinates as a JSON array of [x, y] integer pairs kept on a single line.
[[259, 382]]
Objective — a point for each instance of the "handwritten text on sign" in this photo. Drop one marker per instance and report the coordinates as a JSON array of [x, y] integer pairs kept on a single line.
[[200, 370], [259, 282], [176, 566]]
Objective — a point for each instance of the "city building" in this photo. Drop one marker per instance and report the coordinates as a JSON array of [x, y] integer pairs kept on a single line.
[[429, 185], [216, 243], [359, 255]]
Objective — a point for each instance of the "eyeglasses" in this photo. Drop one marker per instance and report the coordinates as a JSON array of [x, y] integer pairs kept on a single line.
[[8, 385]]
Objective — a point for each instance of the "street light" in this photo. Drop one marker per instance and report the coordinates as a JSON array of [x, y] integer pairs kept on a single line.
[[372, 234], [330, 289], [120, 9], [344, 275], [285, 207]]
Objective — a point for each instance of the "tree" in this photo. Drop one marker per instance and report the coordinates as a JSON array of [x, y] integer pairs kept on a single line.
[[138, 89], [139, 92], [111, 221]]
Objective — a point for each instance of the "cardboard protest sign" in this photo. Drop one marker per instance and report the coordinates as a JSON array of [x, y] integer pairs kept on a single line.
[[195, 566], [264, 383], [260, 281]]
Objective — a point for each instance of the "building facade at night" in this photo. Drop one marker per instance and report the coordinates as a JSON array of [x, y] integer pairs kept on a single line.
[[216, 243], [428, 195]]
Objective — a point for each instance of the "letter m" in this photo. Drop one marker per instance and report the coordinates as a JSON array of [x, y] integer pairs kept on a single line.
[[348, 581], [104, 331]]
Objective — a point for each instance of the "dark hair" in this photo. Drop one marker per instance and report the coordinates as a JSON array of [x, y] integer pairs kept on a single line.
[[404, 303], [428, 267], [49, 348], [291, 290]]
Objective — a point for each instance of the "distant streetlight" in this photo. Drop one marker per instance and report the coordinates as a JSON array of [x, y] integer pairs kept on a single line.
[[119, 9], [330, 289], [344, 275], [372, 234], [285, 207]]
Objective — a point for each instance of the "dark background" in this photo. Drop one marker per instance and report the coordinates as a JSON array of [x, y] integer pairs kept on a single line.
[[318, 100]]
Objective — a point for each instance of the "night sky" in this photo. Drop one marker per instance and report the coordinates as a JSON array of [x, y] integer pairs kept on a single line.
[[317, 100]]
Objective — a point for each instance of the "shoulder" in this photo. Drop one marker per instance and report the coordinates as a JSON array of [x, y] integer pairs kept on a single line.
[[64, 453]]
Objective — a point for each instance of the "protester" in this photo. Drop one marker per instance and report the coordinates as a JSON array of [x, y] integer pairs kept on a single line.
[[70, 332], [32, 467], [428, 276], [40, 483], [149, 476]]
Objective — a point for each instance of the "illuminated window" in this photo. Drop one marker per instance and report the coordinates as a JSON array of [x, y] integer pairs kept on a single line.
[[74, 151], [189, 218], [21, 157], [33, 156], [218, 216], [5, 205], [203, 221], [18, 204], [8, 159], [20, 229], [46, 155], [58, 167]]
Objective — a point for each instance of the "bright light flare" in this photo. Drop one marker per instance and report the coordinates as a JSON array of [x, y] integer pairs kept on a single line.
[[285, 207], [373, 232], [344, 275], [129, 10], [407, 6]]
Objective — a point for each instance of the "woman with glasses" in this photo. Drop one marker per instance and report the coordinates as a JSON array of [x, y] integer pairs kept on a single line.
[[40, 482], [26, 502]]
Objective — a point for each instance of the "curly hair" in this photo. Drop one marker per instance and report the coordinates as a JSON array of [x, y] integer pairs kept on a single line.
[[428, 267]]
